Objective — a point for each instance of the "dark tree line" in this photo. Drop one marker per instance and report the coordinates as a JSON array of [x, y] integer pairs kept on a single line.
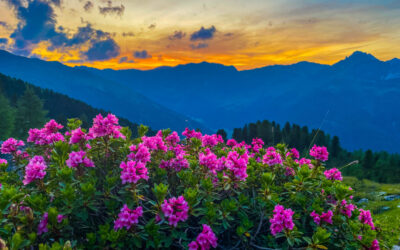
[[376, 166], [24, 106]]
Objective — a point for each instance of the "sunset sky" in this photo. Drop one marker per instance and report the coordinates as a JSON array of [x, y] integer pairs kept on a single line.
[[247, 34]]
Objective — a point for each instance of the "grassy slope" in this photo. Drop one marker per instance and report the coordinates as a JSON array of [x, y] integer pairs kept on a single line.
[[386, 213]]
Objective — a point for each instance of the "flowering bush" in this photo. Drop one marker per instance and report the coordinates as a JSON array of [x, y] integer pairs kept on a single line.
[[101, 189]]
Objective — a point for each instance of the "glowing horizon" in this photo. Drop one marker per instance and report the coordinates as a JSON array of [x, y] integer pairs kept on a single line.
[[245, 34]]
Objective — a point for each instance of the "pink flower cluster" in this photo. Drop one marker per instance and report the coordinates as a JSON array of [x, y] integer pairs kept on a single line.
[[237, 164], [209, 160], [177, 163], [365, 218], [231, 143], [34, 170], [293, 153], [173, 139], [333, 174], [374, 245], [192, 134], [107, 126], [79, 158], [282, 219], [128, 217], [347, 208], [304, 161], [3, 162], [11, 145], [272, 157], [77, 136], [133, 171], [211, 140], [139, 153], [257, 144], [175, 209], [204, 240], [319, 153], [42, 227], [326, 217], [47, 135], [154, 143]]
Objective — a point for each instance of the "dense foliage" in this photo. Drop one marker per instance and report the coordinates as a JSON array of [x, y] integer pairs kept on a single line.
[[377, 166], [100, 188], [24, 106]]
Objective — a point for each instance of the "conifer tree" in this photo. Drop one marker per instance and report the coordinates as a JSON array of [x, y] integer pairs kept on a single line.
[[7, 116]]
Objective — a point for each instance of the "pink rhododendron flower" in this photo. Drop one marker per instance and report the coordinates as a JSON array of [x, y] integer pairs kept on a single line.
[[172, 139], [77, 158], [205, 240], [107, 126], [177, 163], [289, 171], [257, 144], [209, 160], [347, 208], [326, 217], [282, 219], [52, 127], [11, 145], [128, 217], [293, 153], [139, 153], [133, 171], [374, 245], [3, 162], [272, 157], [304, 161], [77, 135], [237, 164], [35, 170], [42, 227], [231, 142], [319, 153], [191, 134], [211, 140], [60, 218], [175, 210], [333, 174], [47, 135], [154, 143], [365, 218]]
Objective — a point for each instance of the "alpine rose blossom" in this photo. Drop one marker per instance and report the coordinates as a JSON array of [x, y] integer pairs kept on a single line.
[[282, 219], [205, 240], [293, 153], [105, 126], [128, 217], [3, 162], [35, 169], [77, 135], [304, 161], [42, 227], [333, 174], [374, 245], [237, 164], [347, 208], [326, 217], [257, 144], [133, 171], [11, 145], [319, 153], [175, 210], [208, 160], [139, 153], [365, 218], [79, 158], [191, 134], [272, 157]]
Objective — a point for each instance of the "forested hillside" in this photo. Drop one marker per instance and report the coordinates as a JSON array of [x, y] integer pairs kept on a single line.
[[23, 106], [377, 166]]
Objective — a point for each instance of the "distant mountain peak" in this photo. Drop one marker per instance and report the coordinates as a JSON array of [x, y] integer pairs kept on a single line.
[[359, 56]]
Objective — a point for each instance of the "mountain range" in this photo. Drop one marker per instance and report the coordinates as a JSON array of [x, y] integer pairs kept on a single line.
[[357, 98]]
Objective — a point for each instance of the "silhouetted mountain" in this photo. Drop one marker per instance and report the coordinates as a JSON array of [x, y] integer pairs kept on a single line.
[[95, 90], [356, 98]]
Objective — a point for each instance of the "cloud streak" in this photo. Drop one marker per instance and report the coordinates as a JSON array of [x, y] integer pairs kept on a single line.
[[203, 34]]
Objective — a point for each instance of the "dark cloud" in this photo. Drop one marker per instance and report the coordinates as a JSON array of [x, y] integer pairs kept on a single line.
[[203, 34], [199, 46], [112, 10], [4, 24], [152, 26], [130, 33], [141, 54], [103, 50], [125, 60], [88, 6], [228, 34], [3, 40], [37, 23], [178, 35]]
